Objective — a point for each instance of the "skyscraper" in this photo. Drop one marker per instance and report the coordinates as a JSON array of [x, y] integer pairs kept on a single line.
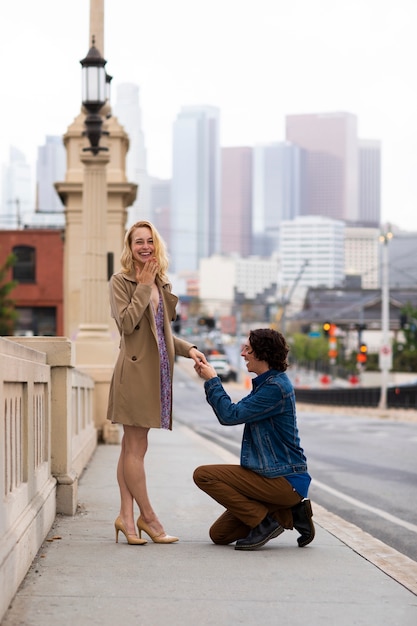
[[370, 182], [50, 168], [330, 172], [127, 110], [195, 208], [276, 192], [17, 195], [236, 201], [161, 207]]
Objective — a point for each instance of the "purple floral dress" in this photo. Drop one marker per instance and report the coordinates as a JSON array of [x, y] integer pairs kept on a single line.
[[164, 366]]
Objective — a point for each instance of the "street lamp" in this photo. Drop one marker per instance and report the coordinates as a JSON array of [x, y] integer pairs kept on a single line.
[[95, 85], [385, 353]]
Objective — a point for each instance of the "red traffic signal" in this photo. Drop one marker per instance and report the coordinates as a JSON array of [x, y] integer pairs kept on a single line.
[[362, 353]]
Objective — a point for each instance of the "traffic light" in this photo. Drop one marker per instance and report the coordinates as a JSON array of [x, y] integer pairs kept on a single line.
[[209, 322], [362, 354], [176, 325], [326, 328]]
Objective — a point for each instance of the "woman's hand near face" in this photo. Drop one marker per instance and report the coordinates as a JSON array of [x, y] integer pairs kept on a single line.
[[146, 274]]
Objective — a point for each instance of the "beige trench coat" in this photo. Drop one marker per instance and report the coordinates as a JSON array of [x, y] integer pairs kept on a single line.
[[135, 391]]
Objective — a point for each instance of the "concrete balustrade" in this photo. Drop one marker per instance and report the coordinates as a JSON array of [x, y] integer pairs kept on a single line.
[[47, 438]]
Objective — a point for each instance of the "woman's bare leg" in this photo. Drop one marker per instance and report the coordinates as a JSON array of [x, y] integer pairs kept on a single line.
[[132, 469], [126, 498]]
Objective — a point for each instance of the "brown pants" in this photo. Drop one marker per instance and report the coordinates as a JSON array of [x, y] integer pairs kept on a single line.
[[247, 497]]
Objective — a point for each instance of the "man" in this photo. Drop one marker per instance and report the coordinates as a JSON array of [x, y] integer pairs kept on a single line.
[[267, 492]]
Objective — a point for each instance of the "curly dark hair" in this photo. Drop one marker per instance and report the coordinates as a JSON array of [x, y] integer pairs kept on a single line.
[[270, 346]]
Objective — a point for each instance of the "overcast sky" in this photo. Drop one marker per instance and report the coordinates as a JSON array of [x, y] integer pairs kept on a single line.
[[256, 60]]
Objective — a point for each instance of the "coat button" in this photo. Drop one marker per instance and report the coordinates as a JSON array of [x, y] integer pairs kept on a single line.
[[134, 358]]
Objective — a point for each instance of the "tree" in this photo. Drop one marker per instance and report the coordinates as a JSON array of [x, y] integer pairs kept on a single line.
[[312, 350], [405, 351], [8, 314]]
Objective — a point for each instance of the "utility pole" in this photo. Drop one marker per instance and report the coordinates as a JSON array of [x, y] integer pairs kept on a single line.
[[385, 353]]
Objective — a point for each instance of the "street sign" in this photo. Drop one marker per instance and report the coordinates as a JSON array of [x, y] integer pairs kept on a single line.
[[385, 357]]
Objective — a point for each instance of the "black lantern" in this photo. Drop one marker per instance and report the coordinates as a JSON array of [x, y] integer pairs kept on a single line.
[[94, 95]]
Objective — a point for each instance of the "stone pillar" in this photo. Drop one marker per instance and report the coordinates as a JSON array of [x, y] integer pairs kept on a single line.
[[97, 24], [94, 290], [95, 349]]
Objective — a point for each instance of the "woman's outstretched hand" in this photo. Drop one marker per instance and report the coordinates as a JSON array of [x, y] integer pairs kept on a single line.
[[197, 356]]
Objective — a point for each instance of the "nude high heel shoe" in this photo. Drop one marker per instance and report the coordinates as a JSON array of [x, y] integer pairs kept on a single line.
[[131, 539], [161, 538]]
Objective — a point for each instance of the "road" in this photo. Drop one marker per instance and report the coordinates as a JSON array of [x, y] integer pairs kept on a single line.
[[364, 469]]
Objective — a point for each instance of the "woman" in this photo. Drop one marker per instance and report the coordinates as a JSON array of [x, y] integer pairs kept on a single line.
[[141, 388]]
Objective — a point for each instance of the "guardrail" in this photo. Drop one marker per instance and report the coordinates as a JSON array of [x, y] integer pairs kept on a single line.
[[48, 436], [398, 397]]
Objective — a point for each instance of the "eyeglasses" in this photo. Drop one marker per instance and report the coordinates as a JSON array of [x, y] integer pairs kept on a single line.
[[247, 349]]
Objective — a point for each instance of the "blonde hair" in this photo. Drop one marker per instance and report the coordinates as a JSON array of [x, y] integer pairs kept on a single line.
[[126, 258]]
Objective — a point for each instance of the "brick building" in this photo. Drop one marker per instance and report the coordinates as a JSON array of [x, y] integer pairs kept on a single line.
[[38, 297]]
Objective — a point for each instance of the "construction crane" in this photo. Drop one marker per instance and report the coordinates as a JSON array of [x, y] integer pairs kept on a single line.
[[286, 299]]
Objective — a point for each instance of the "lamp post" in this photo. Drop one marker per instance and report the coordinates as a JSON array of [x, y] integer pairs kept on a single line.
[[94, 344], [95, 87], [385, 352]]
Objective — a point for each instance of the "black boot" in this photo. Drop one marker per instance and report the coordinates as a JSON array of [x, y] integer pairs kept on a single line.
[[302, 514], [258, 536]]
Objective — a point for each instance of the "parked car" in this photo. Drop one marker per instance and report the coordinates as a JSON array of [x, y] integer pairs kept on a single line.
[[223, 368]]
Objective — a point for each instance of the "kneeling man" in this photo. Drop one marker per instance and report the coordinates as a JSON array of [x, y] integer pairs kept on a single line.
[[267, 492]]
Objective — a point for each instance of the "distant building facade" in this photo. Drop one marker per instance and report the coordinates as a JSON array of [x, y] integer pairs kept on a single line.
[[370, 182], [402, 261], [127, 110], [276, 192], [330, 172], [195, 207], [17, 193], [362, 255], [38, 297], [236, 201], [50, 168], [340, 173], [160, 199], [241, 279], [316, 244]]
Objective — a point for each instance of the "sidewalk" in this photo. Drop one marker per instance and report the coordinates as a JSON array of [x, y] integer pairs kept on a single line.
[[82, 577]]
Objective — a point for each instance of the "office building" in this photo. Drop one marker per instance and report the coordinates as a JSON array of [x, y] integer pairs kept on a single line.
[[402, 260], [330, 163], [362, 249], [276, 192], [252, 279], [195, 200], [312, 252], [236, 201], [17, 193], [127, 110], [370, 182], [160, 203], [50, 168]]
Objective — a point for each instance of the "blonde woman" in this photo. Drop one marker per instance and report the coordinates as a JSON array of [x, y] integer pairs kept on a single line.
[[141, 388]]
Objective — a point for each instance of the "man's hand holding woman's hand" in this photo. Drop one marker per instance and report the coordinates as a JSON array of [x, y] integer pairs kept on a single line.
[[205, 370], [201, 366]]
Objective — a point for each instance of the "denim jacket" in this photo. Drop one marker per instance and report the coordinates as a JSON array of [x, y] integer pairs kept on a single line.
[[270, 444]]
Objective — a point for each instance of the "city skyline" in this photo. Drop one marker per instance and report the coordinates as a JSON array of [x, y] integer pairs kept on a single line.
[[288, 58]]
